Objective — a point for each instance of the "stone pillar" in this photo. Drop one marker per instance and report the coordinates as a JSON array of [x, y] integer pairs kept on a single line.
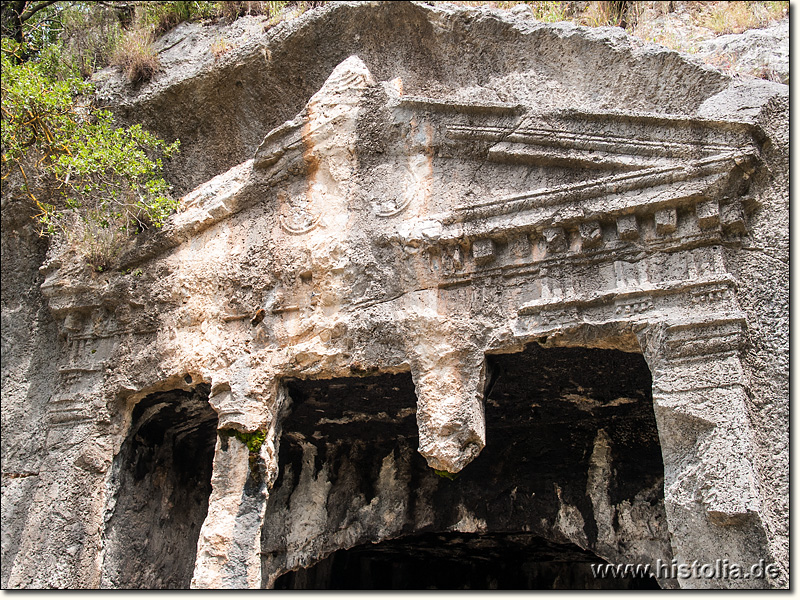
[[449, 383], [710, 485], [245, 467]]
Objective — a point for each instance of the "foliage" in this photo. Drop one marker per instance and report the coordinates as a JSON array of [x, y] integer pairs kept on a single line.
[[68, 36], [96, 183], [160, 17], [446, 474], [253, 440], [87, 38], [92, 182], [82, 37]]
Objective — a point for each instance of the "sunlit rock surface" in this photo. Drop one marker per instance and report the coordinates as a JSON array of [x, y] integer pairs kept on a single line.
[[437, 271]]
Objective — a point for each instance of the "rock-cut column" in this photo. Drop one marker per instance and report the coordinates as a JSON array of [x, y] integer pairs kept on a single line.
[[711, 496], [245, 467], [449, 379]]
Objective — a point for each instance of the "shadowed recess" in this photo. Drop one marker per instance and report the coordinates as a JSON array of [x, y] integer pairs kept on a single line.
[[448, 561], [570, 431], [162, 481]]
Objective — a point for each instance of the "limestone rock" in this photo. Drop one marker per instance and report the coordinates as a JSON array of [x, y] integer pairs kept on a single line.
[[411, 235], [759, 52]]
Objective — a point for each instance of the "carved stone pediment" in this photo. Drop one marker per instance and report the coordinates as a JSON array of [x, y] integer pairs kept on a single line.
[[433, 218], [423, 213], [378, 232]]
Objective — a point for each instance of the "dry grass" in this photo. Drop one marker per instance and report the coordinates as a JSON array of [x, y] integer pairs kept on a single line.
[[691, 23], [160, 17], [593, 14], [718, 17], [94, 36], [277, 11], [220, 47], [598, 14], [234, 10], [677, 25], [736, 17], [136, 57], [551, 12]]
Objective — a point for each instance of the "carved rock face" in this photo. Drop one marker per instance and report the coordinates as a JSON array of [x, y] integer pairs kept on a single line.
[[579, 213], [382, 232], [559, 422]]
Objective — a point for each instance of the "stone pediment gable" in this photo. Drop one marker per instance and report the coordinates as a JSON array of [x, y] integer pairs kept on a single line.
[[454, 228], [369, 197], [471, 184], [571, 165], [448, 193], [383, 233]]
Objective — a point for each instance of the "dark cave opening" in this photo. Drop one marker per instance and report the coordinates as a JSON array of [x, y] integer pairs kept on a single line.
[[459, 561], [548, 410], [162, 482]]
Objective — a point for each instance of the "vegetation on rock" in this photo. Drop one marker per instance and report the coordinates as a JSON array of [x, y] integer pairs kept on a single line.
[[91, 181], [446, 474], [253, 440], [641, 18]]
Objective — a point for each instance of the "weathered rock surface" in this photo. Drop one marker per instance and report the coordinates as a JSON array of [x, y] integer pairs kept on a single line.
[[457, 53], [761, 52], [405, 219], [556, 428]]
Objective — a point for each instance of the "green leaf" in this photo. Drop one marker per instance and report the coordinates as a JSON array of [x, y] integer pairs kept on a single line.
[[78, 159]]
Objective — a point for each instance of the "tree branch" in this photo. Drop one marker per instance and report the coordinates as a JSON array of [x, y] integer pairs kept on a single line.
[[34, 8]]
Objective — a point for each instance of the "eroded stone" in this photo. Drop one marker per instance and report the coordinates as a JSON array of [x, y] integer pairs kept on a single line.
[[413, 216]]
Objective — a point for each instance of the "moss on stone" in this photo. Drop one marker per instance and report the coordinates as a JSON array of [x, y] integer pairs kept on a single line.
[[253, 440], [446, 474]]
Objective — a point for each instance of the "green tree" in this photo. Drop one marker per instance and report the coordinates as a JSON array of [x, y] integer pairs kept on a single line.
[[16, 17], [92, 182]]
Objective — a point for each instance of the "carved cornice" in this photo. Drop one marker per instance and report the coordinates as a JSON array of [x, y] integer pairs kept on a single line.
[[622, 192]]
